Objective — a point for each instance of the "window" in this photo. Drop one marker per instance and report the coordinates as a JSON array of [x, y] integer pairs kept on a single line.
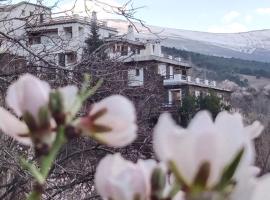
[[34, 39], [136, 51], [67, 58], [184, 72], [137, 72], [31, 13], [23, 12], [68, 32], [41, 18], [118, 48], [71, 57], [61, 59], [81, 31], [197, 93], [176, 96], [177, 70], [124, 50]]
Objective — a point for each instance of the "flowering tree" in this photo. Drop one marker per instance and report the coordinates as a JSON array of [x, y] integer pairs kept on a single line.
[[207, 160]]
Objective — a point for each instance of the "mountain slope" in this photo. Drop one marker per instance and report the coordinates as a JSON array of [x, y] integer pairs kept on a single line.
[[254, 45]]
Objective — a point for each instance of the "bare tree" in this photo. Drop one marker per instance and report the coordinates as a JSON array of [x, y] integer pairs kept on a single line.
[[72, 174]]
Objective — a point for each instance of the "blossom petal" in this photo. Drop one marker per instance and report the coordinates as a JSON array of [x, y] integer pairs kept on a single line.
[[161, 140], [13, 127], [119, 179], [172, 143], [69, 94], [118, 139], [29, 94], [201, 122], [119, 118], [119, 105], [254, 130], [262, 188]]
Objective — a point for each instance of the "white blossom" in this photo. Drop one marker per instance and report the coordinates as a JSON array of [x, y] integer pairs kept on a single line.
[[261, 191], [69, 95], [111, 121], [28, 94], [245, 184], [13, 127], [205, 141], [120, 179]]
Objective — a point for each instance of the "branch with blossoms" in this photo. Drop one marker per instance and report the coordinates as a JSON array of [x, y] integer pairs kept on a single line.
[[209, 160], [49, 121]]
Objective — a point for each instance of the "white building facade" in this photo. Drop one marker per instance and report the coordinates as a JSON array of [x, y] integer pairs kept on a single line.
[[59, 40]]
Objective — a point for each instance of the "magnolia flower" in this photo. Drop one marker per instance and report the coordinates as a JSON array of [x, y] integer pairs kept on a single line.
[[111, 121], [120, 179], [205, 143]]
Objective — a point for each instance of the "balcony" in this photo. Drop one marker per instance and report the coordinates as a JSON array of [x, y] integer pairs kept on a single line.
[[179, 79], [176, 79]]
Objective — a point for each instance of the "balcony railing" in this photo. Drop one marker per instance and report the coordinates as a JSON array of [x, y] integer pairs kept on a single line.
[[178, 79]]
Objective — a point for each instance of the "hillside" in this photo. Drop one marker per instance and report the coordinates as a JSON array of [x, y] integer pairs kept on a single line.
[[254, 45], [221, 68]]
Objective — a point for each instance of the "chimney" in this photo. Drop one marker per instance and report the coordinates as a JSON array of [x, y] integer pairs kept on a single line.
[[130, 33]]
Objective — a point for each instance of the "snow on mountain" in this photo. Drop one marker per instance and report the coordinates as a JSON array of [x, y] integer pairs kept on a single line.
[[254, 45]]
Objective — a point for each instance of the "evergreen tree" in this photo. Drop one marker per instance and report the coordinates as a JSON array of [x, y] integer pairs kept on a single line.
[[94, 41], [191, 105], [212, 103], [187, 109]]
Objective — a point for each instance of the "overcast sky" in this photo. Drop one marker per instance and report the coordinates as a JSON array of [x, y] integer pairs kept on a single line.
[[200, 15]]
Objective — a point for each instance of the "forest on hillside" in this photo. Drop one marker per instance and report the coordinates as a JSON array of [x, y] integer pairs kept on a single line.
[[220, 68]]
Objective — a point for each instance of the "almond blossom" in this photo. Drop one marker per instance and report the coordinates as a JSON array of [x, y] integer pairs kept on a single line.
[[117, 178], [246, 184], [28, 95], [205, 142], [111, 121], [13, 127], [251, 187], [261, 191]]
